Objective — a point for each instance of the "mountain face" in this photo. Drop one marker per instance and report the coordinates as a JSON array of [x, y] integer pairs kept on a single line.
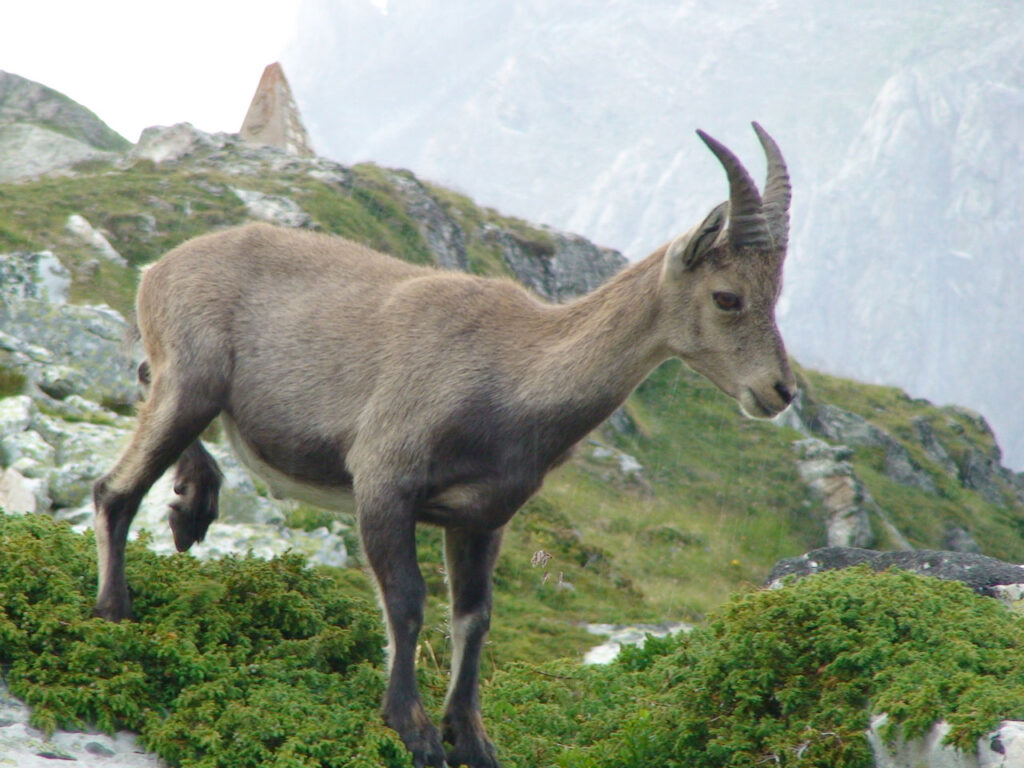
[[903, 124], [42, 130]]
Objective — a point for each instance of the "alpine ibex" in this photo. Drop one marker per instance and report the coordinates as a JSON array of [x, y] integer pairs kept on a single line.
[[435, 397]]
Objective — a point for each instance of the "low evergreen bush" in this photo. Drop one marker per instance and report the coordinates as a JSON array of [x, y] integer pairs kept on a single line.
[[244, 662], [238, 662], [785, 677]]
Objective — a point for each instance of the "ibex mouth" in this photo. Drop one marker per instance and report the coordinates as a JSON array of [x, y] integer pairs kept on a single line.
[[758, 408]]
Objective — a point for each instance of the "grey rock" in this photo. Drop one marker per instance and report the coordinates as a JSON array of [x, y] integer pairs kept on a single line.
[[933, 448], [832, 481], [276, 209], [26, 448], [981, 573], [20, 495], [61, 381], [90, 342], [979, 472], [556, 265], [29, 151], [23, 101], [26, 747], [80, 227], [16, 413], [622, 422], [1002, 748], [626, 634], [958, 539], [444, 237], [169, 144], [40, 276], [843, 426], [795, 416]]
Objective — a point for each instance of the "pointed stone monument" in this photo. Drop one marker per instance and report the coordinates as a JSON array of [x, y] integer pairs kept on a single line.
[[273, 116]]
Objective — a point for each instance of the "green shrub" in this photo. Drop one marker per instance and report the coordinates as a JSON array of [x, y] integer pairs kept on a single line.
[[238, 662], [246, 662], [787, 677]]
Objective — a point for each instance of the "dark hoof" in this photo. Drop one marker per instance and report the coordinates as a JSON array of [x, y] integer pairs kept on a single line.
[[426, 749], [192, 514], [114, 610], [421, 739], [480, 756], [470, 746]]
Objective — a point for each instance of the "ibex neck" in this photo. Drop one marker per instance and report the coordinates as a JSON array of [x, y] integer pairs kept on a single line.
[[602, 345]]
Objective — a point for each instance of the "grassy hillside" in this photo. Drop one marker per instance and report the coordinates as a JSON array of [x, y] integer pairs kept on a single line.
[[718, 499]]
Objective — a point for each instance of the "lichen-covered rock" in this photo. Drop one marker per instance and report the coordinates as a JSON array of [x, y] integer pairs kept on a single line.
[[90, 343], [40, 276], [27, 452], [16, 414]]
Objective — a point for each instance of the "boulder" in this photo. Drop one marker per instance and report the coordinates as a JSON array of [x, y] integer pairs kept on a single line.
[[168, 144], [20, 495], [79, 226], [985, 575], [1003, 748]]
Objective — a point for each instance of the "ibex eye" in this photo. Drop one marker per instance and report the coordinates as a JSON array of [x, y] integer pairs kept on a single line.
[[730, 302]]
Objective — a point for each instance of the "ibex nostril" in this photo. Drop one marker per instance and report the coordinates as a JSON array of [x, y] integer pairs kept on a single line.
[[784, 392]]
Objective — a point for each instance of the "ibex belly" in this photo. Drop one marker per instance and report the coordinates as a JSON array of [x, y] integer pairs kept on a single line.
[[306, 478]]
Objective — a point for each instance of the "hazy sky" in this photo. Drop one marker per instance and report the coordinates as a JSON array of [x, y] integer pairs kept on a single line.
[[137, 63]]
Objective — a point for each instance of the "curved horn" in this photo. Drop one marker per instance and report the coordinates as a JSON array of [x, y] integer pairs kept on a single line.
[[777, 190], [747, 225]]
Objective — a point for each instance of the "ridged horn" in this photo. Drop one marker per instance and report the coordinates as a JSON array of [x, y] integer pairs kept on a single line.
[[747, 224], [777, 189]]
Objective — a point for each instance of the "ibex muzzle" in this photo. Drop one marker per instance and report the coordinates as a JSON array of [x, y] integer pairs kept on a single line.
[[436, 397]]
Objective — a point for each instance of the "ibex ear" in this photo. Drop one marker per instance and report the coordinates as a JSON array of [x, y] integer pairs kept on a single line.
[[689, 250]]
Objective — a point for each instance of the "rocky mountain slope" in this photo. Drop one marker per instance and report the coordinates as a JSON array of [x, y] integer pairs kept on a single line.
[[42, 130], [902, 122], [850, 465], [673, 504]]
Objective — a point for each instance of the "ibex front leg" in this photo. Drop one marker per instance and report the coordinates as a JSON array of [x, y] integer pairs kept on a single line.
[[470, 558], [388, 533]]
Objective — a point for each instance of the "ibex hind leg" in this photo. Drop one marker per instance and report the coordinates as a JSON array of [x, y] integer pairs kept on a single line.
[[170, 420], [197, 481]]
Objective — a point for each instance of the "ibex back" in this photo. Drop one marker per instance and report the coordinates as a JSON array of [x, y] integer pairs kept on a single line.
[[436, 397]]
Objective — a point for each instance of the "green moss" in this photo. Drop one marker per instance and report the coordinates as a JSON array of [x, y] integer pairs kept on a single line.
[[12, 380]]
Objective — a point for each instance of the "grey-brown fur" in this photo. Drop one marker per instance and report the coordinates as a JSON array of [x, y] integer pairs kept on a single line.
[[436, 397]]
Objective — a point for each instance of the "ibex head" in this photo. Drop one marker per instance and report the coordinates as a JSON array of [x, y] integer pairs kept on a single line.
[[721, 281]]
